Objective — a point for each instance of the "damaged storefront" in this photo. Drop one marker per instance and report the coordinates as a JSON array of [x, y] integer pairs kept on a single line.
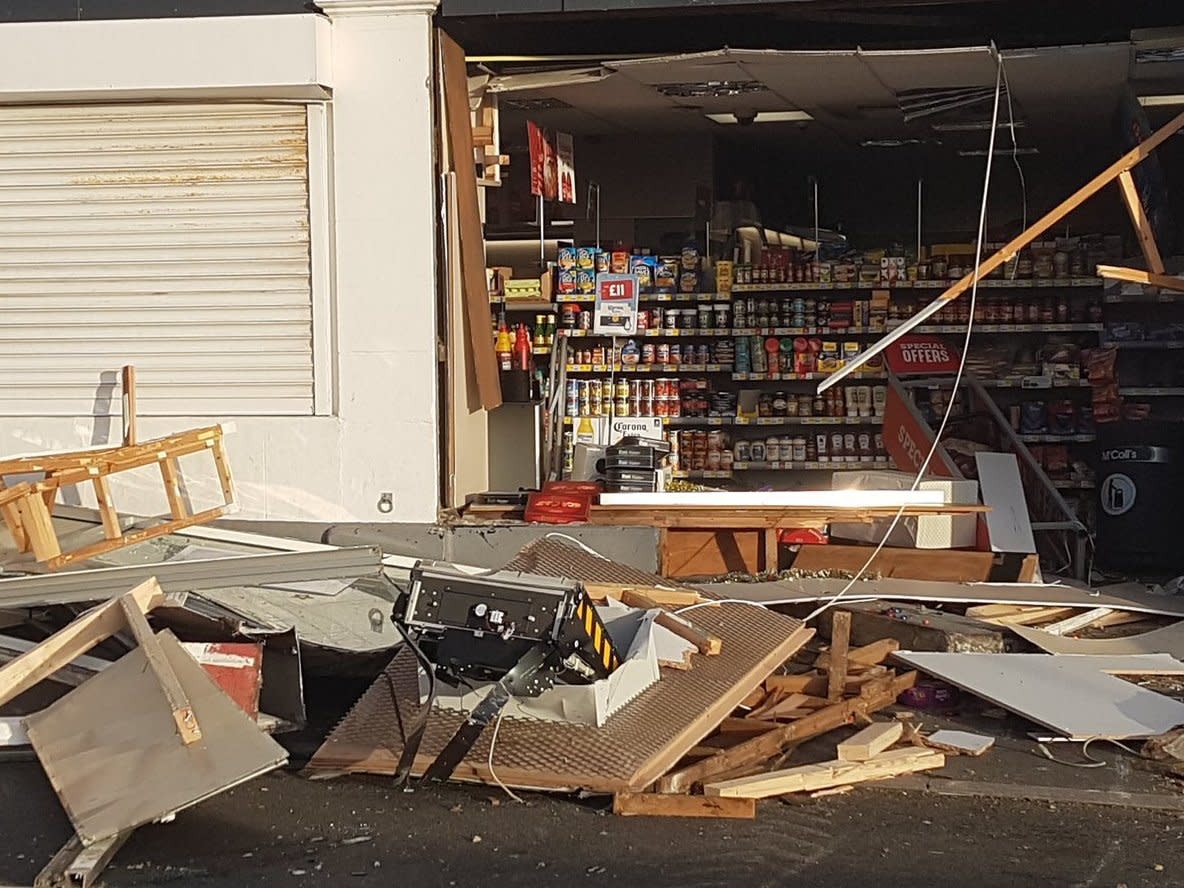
[[647, 428]]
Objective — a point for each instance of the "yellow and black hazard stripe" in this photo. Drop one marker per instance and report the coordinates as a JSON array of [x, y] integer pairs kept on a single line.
[[601, 646]]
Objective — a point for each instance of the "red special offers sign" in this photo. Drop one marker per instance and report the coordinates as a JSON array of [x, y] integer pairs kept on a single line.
[[921, 353]]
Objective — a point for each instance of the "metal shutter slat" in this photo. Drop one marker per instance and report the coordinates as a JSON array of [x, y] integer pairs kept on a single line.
[[173, 237]]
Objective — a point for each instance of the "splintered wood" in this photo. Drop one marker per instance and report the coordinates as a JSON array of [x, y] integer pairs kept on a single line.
[[808, 778], [27, 507], [653, 804], [745, 759]]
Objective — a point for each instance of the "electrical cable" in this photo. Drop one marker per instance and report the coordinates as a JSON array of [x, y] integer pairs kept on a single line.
[[978, 258], [556, 535], [1015, 153], [412, 737], [1092, 762], [492, 773]]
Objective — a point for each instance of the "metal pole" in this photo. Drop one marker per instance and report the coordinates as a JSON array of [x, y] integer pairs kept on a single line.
[[919, 183], [597, 187], [542, 236], [817, 244]]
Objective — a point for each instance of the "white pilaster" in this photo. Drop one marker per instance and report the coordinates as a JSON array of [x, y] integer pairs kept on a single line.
[[384, 206]]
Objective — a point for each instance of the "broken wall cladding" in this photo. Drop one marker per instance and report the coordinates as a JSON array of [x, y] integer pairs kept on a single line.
[[488, 546]]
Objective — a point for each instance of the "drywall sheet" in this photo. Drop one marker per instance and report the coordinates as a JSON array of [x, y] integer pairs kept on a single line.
[[803, 590], [113, 754], [1168, 640], [1008, 525], [1072, 695]]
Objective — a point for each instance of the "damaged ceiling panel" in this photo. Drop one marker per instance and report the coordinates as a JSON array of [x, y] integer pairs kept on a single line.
[[852, 95]]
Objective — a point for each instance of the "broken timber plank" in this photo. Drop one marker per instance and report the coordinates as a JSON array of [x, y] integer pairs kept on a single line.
[[869, 742], [745, 726], [813, 684], [868, 655], [1022, 616], [1079, 621], [1134, 206], [73, 640], [1119, 618], [836, 661], [659, 805], [177, 699], [680, 626], [807, 778], [664, 597], [1147, 279], [769, 744]]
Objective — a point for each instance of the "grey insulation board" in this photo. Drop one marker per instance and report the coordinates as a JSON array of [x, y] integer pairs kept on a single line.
[[113, 754], [1167, 640], [804, 590], [1076, 696]]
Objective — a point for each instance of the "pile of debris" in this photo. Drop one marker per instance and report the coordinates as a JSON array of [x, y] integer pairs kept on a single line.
[[147, 662], [728, 708]]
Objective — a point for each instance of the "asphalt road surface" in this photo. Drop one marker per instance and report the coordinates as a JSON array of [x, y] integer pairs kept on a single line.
[[285, 830]]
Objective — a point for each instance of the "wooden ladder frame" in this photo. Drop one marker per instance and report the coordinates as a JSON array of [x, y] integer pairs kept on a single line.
[[27, 508]]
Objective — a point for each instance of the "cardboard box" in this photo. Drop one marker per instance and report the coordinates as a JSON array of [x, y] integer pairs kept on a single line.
[[925, 532]]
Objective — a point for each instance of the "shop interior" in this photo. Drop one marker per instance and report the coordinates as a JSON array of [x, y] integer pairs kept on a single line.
[[841, 191]]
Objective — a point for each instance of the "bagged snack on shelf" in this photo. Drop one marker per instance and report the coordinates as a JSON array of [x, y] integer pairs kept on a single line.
[[1033, 418], [666, 275], [643, 267], [1056, 459], [1107, 402], [1136, 411], [1099, 364], [1062, 418], [1124, 331]]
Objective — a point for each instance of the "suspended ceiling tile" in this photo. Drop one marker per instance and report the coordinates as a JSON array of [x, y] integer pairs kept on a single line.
[[1060, 78], [821, 83], [902, 70]]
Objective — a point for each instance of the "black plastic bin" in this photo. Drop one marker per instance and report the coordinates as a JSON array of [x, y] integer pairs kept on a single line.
[[1140, 471]]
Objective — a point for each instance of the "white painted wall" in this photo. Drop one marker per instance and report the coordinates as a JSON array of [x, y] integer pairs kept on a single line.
[[375, 58], [266, 56]]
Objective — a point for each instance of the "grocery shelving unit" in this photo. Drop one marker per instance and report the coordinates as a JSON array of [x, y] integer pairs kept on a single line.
[[720, 376], [723, 376]]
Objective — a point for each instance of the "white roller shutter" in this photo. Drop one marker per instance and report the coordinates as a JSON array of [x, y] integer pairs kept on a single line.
[[172, 237]]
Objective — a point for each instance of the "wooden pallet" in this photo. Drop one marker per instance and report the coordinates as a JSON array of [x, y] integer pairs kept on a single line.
[[27, 508]]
